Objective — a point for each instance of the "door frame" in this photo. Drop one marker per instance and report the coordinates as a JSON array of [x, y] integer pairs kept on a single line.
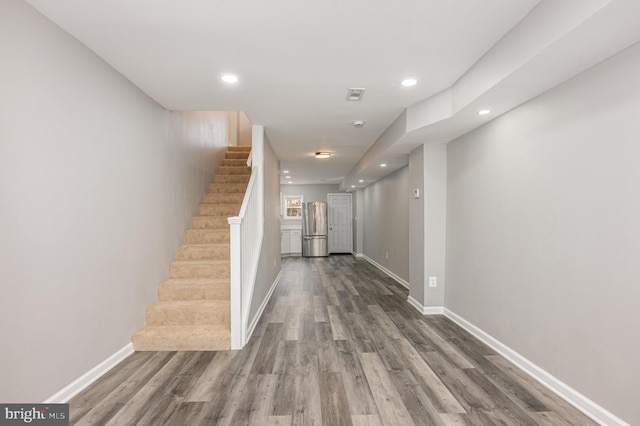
[[350, 216]]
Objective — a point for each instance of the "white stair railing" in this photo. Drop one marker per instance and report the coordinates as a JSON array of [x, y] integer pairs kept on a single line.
[[246, 242]]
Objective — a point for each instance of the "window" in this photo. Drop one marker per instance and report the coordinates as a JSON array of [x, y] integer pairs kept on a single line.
[[292, 207]]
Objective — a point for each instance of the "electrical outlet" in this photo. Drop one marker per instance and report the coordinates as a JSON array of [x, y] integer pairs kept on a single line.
[[433, 282]]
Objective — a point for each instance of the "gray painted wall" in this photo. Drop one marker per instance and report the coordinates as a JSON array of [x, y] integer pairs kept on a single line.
[[358, 220], [416, 225], [98, 184], [386, 222], [544, 231], [269, 263], [435, 221]]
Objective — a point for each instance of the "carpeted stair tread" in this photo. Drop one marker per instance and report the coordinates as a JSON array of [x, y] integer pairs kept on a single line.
[[224, 198], [235, 162], [238, 149], [203, 252], [227, 188], [183, 338], [194, 289], [199, 269], [189, 312], [234, 170], [207, 236], [210, 222], [219, 209], [231, 178]]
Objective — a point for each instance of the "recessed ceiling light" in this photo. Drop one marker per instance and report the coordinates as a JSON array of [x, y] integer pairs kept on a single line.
[[323, 154], [358, 124], [383, 165], [409, 82], [361, 181], [229, 78], [289, 182], [353, 186], [285, 171], [287, 177], [484, 111]]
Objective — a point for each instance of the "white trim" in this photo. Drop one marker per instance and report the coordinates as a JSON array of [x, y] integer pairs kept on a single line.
[[572, 396], [425, 310], [358, 255], [385, 270], [263, 305], [90, 376]]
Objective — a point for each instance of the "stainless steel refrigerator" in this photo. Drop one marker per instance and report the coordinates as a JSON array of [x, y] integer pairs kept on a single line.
[[314, 229]]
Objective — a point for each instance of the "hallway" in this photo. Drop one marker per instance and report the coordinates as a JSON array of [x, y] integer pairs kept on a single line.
[[337, 345]]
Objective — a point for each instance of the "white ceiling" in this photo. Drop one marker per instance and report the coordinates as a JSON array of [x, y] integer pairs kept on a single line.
[[296, 59]]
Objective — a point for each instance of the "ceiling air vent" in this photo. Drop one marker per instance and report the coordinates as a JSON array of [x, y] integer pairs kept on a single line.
[[355, 94]]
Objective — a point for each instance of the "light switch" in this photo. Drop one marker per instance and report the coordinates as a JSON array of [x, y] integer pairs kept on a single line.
[[416, 193]]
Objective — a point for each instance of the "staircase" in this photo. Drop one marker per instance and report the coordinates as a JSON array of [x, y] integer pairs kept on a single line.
[[193, 309]]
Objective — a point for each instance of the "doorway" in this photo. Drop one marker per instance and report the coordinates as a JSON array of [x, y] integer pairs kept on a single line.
[[340, 223]]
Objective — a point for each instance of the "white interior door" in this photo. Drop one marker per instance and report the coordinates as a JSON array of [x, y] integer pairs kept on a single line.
[[340, 224]]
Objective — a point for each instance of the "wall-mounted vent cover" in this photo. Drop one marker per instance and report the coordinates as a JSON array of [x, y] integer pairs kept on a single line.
[[355, 94]]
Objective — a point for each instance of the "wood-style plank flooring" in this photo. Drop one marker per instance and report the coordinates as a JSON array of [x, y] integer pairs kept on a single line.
[[338, 344]]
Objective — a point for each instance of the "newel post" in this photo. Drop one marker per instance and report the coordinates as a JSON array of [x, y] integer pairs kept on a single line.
[[235, 225]]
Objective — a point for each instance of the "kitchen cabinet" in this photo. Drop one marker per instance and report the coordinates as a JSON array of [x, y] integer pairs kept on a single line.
[[295, 242], [285, 238], [291, 241]]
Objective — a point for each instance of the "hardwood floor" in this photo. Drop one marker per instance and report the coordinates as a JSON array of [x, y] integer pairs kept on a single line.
[[338, 344]]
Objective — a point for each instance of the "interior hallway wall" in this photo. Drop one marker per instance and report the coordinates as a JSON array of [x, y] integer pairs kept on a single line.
[[385, 214], [543, 231], [269, 262], [97, 185]]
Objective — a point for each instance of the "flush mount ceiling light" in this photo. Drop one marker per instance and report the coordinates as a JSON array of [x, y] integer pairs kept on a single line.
[[353, 186], [358, 124], [484, 111], [383, 165], [361, 181], [409, 82], [323, 154], [229, 78]]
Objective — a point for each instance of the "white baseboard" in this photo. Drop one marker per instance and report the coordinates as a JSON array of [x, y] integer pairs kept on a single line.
[[90, 376], [572, 396], [425, 310], [358, 255], [385, 270], [263, 305]]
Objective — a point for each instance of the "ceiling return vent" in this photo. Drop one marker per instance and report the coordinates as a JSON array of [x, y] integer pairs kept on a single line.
[[355, 94]]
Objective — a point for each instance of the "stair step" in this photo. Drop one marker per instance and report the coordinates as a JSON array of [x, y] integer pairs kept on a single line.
[[234, 170], [199, 269], [210, 222], [227, 188], [186, 338], [224, 198], [234, 162], [231, 178], [236, 155], [190, 312], [238, 149], [194, 289], [217, 209], [203, 252], [207, 236]]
